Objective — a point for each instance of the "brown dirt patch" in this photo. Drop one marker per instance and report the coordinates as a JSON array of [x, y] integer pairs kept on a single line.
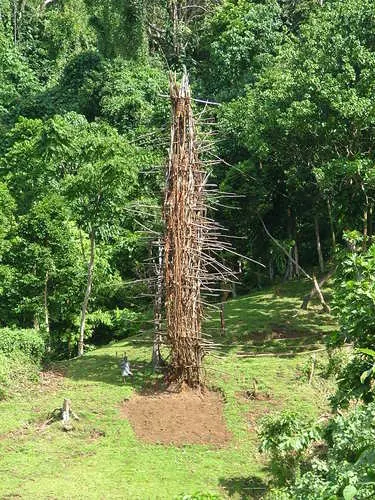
[[187, 417], [279, 332], [51, 380], [95, 434], [260, 405]]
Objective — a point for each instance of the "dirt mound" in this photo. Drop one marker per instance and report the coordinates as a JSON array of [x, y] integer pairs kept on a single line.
[[181, 418]]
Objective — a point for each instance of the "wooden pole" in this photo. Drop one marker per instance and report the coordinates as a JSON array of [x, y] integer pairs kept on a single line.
[[222, 319], [185, 230], [318, 244], [156, 355]]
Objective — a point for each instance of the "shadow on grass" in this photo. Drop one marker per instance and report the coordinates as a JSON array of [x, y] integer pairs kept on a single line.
[[106, 369], [265, 323], [244, 487]]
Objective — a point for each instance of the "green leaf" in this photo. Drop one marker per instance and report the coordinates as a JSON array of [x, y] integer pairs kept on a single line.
[[369, 352], [349, 492], [367, 457], [366, 374]]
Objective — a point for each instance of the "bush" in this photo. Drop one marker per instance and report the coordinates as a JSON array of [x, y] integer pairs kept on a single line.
[[350, 384], [348, 469], [286, 438], [345, 469], [28, 342], [354, 295], [354, 301], [17, 372]]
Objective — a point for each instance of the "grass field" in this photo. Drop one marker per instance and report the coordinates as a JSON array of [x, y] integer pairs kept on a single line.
[[102, 458]]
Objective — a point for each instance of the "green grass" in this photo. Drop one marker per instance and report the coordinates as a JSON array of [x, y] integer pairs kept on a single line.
[[102, 459]]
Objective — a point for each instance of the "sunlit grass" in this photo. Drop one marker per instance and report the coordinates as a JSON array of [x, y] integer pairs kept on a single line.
[[102, 459]]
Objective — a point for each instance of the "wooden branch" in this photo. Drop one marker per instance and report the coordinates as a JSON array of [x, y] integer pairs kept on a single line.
[[278, 244], [325, 306], [280, 354], [313, 292]]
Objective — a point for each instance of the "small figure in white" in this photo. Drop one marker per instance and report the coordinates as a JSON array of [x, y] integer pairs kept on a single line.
[[125, 368]]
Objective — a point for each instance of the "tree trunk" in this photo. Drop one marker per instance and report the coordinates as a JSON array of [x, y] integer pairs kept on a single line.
[[325, 306], [46, 313], [365, 228], [370, 210], [174, 13], [271, 270], [313, 278], [82, 245], [295, 248], [332, 226], [157, 360], [87, 294], [318, 244], [289, 267], [17, 8], [296, 258]]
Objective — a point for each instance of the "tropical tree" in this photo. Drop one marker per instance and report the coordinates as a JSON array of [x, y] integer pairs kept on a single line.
[[104, 182]]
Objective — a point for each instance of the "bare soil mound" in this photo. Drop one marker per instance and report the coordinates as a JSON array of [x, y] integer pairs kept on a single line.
[[187, 417]]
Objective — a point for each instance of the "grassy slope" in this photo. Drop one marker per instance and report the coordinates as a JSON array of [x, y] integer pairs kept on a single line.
[[102, 459]]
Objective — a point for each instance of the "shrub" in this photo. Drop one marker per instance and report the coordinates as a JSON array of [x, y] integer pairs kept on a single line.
[[346, 469], [351, 385], [28, 342], [17, 372], [354, 301], [286, 437]]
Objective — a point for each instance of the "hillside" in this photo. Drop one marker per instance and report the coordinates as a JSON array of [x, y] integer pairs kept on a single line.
[[102, 457]]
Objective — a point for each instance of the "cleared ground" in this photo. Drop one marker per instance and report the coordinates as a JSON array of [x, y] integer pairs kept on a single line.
[[102, 458], [187, 417]]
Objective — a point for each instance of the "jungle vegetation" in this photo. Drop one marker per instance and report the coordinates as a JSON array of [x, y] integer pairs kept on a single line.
[[84, 128]]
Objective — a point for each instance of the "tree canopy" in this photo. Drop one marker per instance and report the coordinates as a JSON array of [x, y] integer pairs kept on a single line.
[[84, 126]]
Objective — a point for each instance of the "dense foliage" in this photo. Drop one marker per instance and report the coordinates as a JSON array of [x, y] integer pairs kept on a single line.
[[83, 134], [286, 439], [354, 301], [337, 463], [21, 351], [30, 342], [84, 131]]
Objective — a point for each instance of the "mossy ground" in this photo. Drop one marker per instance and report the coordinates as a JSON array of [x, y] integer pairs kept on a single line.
[[102, 458]]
